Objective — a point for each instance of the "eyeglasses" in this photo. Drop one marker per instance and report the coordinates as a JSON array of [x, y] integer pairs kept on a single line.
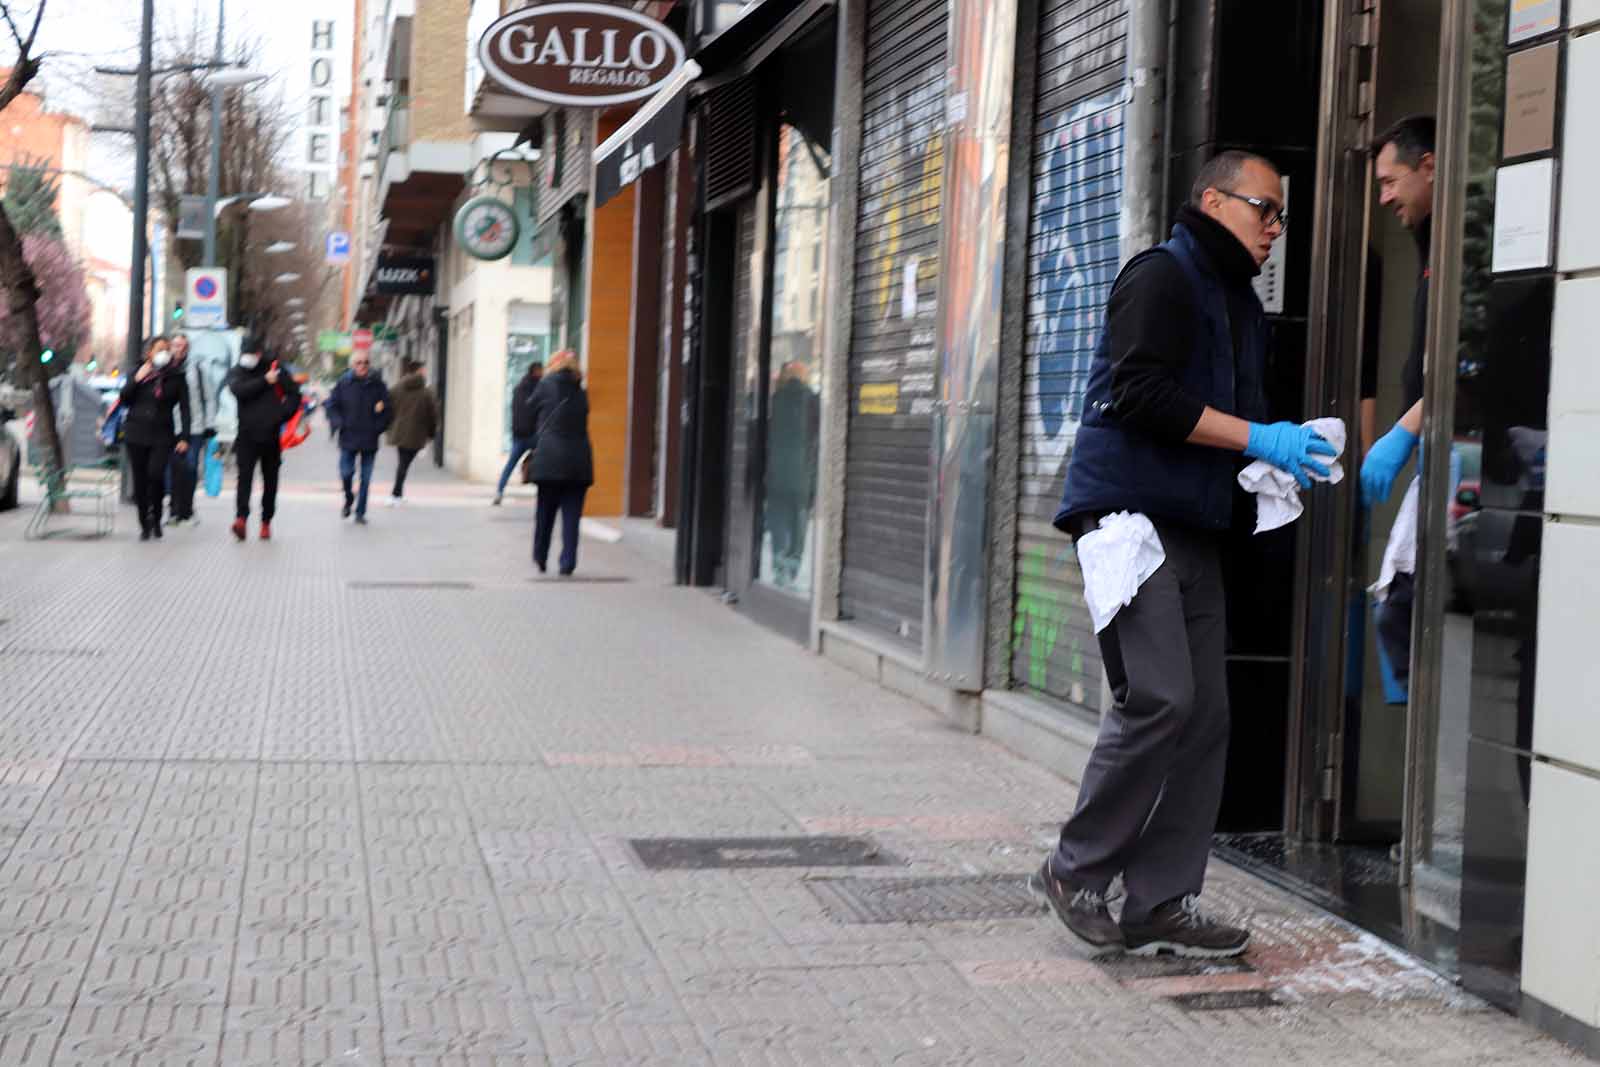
[[1271, 214]]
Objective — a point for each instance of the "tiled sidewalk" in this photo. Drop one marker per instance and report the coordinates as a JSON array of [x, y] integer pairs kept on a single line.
[[365, 796]]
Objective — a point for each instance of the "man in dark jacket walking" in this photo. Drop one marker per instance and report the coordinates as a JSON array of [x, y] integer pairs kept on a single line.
[[416, 420], [563, 461], [522, 425], [358, 411], [267, 396], [1175, 394]]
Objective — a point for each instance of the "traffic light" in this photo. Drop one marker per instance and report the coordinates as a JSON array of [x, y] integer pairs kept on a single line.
[[177, 313], [47, 355], [93, 363]]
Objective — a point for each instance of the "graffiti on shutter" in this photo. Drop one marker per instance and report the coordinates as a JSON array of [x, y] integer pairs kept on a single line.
[[1073, 257]]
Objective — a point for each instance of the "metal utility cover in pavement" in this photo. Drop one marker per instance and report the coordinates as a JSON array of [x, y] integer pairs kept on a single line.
[[1225, 1000], [709, 853], [410, 585], [925, 900]]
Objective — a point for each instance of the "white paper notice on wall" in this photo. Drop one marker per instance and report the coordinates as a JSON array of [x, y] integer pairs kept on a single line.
[[1522, 202], [908, 290], [1583, 12], [1532, 18], [955, 109], [1269, 283]]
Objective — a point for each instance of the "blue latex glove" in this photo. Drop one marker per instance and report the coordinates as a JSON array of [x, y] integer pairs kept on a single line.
[[1289, 447], [1383, 463]]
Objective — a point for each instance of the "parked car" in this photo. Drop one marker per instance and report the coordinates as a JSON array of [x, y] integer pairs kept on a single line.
[[12, 444]]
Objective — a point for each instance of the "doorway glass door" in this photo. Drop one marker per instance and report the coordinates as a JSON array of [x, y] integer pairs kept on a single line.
[[785, 547]]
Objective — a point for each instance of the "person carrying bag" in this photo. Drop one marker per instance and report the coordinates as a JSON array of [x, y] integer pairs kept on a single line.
[[268, 398]]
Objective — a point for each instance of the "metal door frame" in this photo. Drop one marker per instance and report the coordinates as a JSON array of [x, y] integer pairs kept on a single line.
[[1439, 369], [1342, 210]]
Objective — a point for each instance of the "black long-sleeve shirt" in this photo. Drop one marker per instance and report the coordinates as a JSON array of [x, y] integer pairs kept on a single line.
[[150, 404], [1151, 322]]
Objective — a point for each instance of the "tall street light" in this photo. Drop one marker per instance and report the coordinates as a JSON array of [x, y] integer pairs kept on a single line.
[[220, 83], [141, 187]]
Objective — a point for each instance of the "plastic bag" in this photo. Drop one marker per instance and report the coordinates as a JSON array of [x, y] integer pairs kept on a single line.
[[295, 431], [212, 460], [111, 429]]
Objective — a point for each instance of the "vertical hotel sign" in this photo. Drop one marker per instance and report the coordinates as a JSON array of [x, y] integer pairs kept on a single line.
[[322, 114]]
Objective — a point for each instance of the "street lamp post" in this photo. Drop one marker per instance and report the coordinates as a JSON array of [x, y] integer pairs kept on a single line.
[[141, 186]]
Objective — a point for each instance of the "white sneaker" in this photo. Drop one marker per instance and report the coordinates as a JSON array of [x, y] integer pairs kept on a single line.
[[392, 502]]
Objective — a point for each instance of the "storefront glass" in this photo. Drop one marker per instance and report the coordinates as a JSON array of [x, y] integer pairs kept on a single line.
[[794, 408]]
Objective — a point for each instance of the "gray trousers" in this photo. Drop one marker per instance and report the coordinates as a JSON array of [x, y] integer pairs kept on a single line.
[[1148, 804]]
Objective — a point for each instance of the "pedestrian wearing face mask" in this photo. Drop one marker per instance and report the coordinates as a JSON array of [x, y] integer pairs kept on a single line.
[[267, 396], [150, 396]]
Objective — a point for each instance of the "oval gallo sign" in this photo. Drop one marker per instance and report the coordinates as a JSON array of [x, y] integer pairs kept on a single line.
[[580, 54]]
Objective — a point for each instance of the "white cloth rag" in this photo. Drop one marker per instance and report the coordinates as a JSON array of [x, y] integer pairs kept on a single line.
[[1277, 493], [1116, 558], [1400, 554]]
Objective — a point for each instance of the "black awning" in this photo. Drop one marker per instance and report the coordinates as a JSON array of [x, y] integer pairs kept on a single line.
[[646, 139], [758, 32]]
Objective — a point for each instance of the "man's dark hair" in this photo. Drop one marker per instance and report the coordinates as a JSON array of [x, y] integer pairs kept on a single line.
[[1412, 138], [1222, 171], [253, 343], [409, 366]]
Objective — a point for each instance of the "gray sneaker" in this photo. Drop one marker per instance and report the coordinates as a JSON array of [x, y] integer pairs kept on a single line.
[[1179, 928], [1083, 910]]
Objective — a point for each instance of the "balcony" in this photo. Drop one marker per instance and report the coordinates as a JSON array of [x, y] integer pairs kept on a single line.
[[491, 109]]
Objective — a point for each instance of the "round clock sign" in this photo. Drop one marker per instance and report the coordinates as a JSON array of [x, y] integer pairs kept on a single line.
[[487, 228]]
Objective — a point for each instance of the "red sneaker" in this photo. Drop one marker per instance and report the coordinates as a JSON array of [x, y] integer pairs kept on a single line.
[[266, 531], [238, 529]]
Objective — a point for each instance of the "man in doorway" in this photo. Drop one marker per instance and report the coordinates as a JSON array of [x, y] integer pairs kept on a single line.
[[1404, 168], [416, 420], [358, 411], [1175, 395]]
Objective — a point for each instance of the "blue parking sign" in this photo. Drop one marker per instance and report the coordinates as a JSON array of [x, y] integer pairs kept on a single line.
[[338, 247]]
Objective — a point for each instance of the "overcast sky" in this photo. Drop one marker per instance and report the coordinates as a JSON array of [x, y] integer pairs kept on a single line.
[[78, 35]]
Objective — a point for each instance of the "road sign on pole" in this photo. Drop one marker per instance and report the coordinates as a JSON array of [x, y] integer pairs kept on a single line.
[[191, 218], [337, 248], [206, 298]]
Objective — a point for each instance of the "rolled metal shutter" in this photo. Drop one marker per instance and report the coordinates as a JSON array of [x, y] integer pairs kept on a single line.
[[888, 457], [744, 390], [564, 166], [1073, 258]]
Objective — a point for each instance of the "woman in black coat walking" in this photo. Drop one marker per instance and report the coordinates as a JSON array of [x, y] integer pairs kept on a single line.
[[147, 433], [563, 460]]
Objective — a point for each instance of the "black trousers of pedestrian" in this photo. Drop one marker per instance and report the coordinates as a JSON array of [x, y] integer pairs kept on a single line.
[[270, 456], [565, 498], [1148, 804], [407, 455], [185, 471], [149, 466]]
